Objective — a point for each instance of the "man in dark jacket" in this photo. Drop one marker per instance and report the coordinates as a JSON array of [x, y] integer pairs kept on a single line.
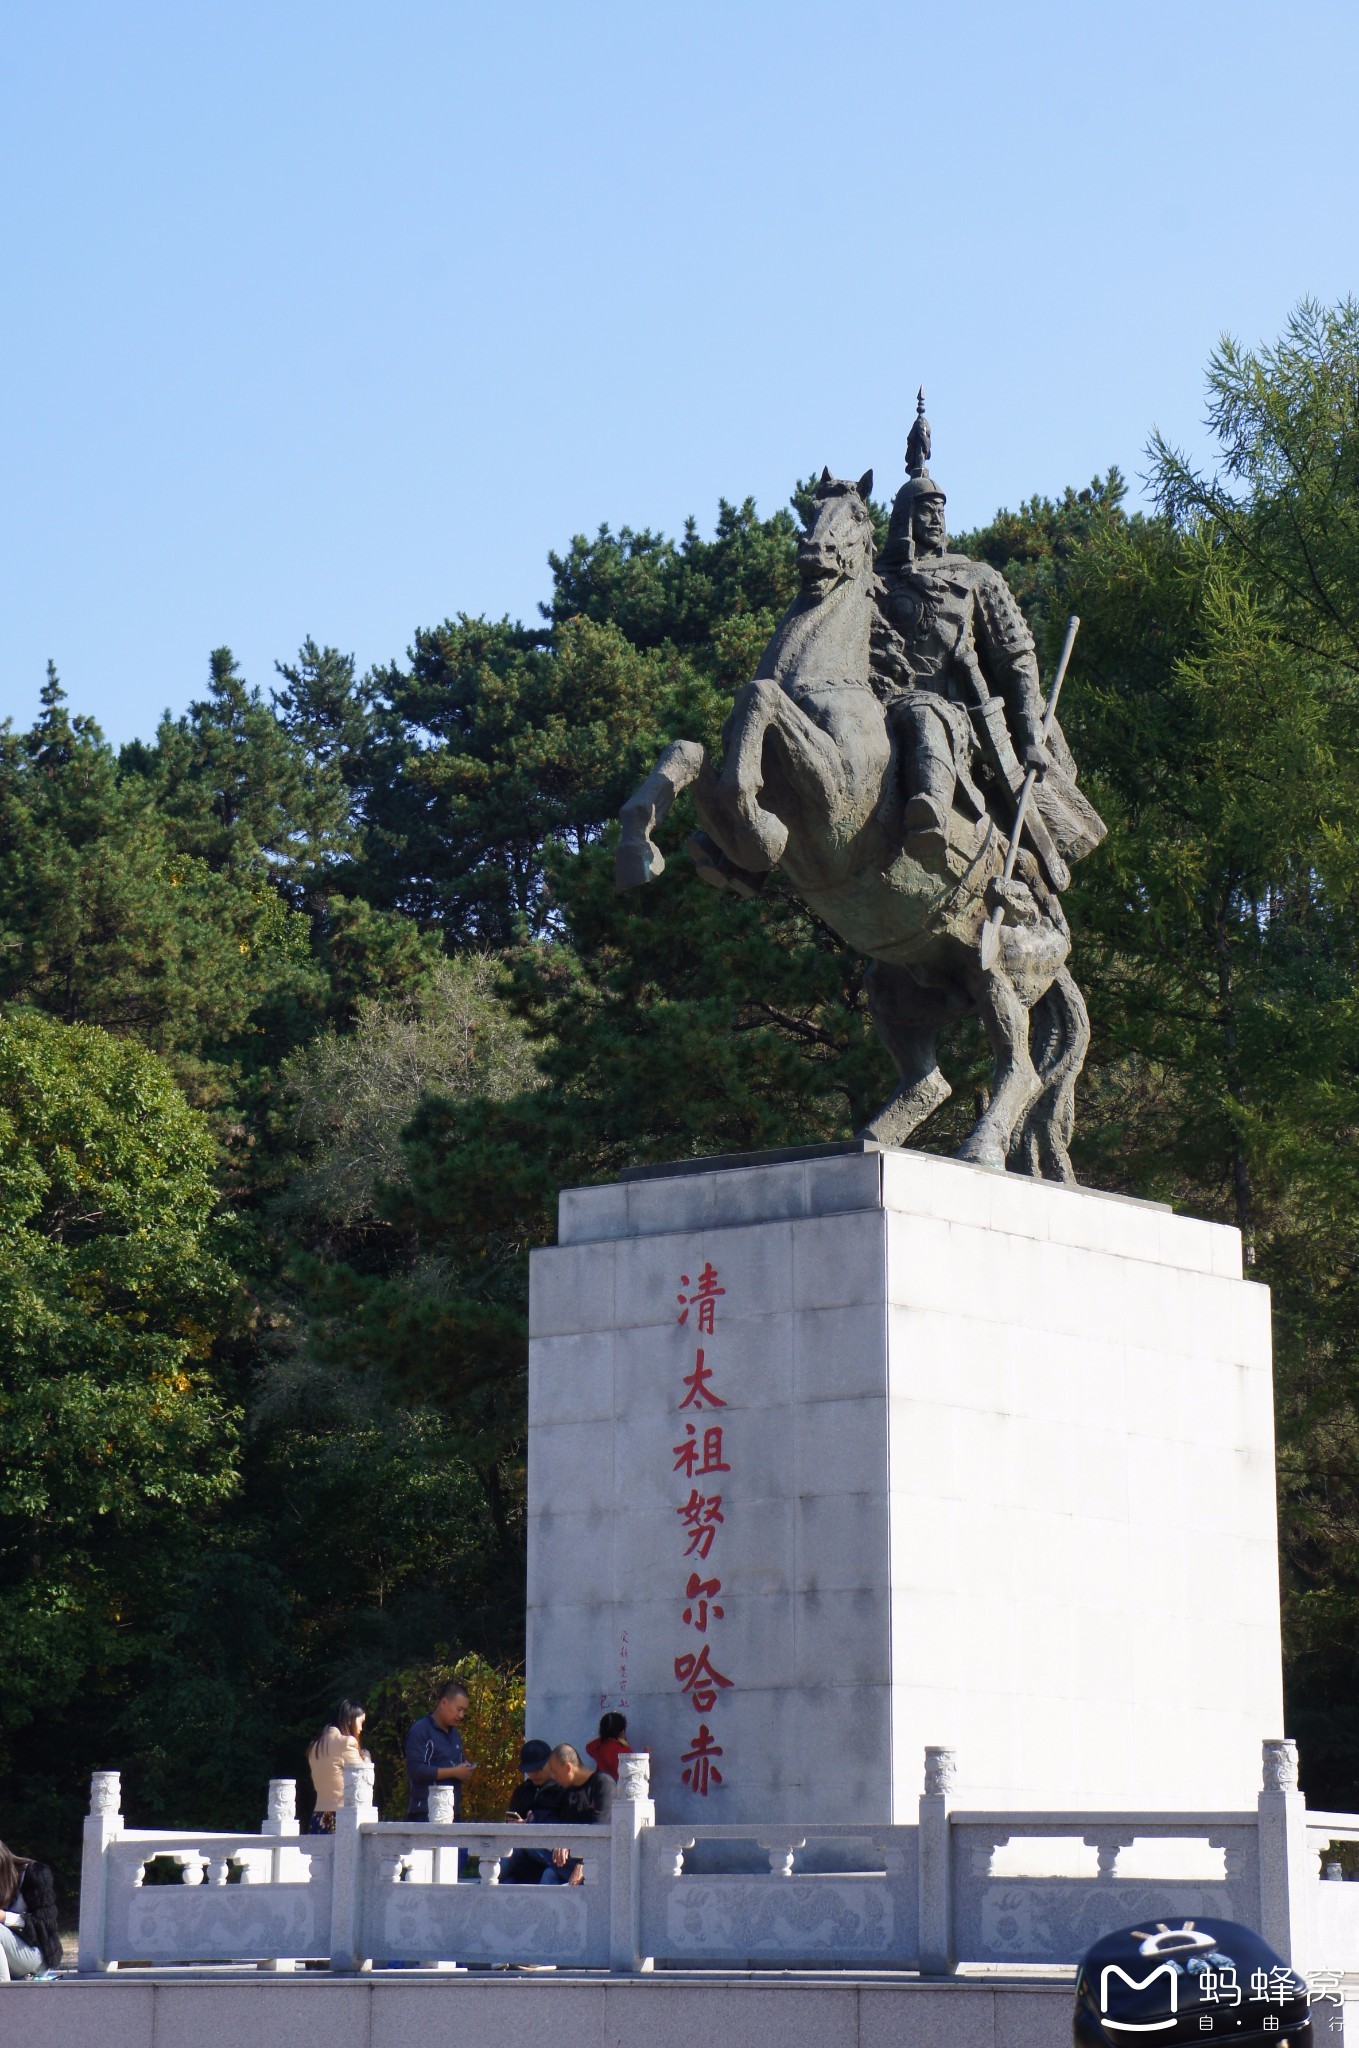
[[434, 1752]]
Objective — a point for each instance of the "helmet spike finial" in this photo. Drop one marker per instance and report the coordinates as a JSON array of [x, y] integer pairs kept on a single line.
[[918, 440]]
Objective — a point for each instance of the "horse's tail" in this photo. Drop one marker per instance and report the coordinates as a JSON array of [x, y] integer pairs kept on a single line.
[[1059, 1038]]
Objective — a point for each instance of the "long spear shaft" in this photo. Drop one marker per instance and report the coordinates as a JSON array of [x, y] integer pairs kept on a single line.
[[990, 938]]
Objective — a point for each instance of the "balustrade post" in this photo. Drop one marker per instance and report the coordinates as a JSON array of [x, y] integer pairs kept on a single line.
[[632, 1812], [281, 1820], [1287, 1863], [446, 1857], [442, 1814], [103, 1825], [346, 1898], [936, 1878]]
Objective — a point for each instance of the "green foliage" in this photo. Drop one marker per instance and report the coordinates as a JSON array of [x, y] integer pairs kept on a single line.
[[1277, 537], [234, 787], [1285, 508], [114, 1436], [511, 740], [415, 1290], [350, 1095], [659, 595], [103, 920]]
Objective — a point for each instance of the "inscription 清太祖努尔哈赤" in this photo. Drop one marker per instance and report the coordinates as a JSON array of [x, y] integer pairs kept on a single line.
[[701, 1454]]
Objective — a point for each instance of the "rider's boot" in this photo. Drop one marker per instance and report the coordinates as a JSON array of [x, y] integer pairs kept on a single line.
[[717, 870], [925, 839], [929, 801]]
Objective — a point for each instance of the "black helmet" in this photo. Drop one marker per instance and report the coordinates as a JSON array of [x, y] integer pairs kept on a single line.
[[1205, 1981]]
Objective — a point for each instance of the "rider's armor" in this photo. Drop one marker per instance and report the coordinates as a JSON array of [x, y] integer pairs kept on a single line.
[[958, 660]]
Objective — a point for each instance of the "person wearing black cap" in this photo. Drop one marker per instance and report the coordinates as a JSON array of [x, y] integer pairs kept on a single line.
[[537, 1788], [536, 1798]]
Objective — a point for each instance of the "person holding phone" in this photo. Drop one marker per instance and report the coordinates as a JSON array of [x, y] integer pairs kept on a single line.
[[434, 1751], [538, 1798]]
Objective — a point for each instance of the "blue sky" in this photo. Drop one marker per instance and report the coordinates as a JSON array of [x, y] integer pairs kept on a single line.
[[334, 319]]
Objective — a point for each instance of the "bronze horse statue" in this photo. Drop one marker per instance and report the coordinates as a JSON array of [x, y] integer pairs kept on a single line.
[[811, 781]]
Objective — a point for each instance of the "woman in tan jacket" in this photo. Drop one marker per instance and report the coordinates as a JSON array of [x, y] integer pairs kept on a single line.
[[336, 1747]]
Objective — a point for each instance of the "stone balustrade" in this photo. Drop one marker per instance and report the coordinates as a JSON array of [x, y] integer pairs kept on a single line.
[[957, 1886]]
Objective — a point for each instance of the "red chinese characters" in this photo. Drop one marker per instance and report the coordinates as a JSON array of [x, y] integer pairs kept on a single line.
[[700, 1678], [701, 1452], [701, 1595], [699, 1770], [700, 1515], [699, 1384], [704, 1299], [688, 1453]]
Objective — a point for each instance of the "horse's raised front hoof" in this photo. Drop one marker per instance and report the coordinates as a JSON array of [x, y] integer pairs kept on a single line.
[[637, 861], [719, 872]]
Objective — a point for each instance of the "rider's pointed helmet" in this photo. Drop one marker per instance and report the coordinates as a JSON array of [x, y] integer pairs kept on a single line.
[[918, 440], [919, 484]]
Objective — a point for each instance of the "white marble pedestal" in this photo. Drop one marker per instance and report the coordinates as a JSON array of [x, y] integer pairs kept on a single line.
[[995, 1471]]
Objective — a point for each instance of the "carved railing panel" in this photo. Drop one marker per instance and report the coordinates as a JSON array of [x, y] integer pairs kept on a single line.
[[1030, 1890], [208, 1917], [416, 1909], [787, 1915]]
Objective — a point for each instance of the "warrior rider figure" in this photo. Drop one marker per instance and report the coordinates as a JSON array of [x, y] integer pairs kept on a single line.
[[963, 689]]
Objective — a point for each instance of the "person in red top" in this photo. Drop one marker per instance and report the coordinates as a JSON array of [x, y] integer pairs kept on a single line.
[[609, 1745]]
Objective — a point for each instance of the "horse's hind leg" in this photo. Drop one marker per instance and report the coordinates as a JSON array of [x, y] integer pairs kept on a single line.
[[1016, 1083], [1060, 1034], [908, 1023], [639, 859]]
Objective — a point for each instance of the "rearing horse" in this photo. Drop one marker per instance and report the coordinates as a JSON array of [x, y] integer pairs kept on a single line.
[[810, 782]]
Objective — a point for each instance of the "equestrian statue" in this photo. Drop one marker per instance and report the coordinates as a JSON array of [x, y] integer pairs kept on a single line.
[[894, 757]]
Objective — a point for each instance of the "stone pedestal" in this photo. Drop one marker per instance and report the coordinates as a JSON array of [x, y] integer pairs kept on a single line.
[[994, 1471]]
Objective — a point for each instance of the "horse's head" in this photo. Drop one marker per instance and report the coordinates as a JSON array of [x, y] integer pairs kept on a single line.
[[838, 544]]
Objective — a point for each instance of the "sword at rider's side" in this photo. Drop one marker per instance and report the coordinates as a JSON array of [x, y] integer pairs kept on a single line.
[[990, 937], [988, 717]]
